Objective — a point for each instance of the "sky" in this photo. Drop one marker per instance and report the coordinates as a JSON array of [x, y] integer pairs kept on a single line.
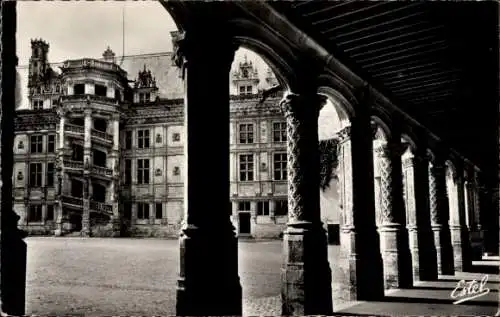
[[76, 29]]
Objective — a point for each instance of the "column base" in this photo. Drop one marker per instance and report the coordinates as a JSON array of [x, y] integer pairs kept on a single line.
[[396, 257], [208, 284], [306, 276], [459, 240], [358, 272], [444, 250], [423, 254]]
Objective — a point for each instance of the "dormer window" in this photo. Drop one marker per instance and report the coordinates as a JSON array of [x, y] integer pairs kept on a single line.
[[242, 90], [37, 104], [147, 97], [141, 97], [249, 90]]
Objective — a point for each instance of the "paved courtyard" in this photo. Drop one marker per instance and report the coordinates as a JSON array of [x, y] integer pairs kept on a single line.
[[138, 276]]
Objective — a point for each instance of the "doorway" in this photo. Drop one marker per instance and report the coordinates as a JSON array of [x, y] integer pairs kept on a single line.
[[244, 223]]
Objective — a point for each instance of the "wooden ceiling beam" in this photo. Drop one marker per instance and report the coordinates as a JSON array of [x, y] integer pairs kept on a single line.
[[387, 12], [348, 13], [409, 56], [378, 25], [417, 82], [328, 7], [391, 47], [423, 88], [394, 38], [427, 67], [402, 51]]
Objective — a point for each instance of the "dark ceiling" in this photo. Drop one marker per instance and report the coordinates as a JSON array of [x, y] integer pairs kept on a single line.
[[438, 61]]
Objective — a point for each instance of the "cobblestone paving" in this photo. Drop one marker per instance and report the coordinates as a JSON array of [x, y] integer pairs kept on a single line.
[[99, 277]]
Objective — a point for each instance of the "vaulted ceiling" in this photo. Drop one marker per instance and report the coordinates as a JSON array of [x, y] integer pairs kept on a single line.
[[438, 61]]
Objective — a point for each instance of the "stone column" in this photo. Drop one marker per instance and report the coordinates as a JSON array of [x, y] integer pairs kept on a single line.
[[87, 165], [458, 229], [423, 251], [13, 248], [358, 274], [208, 281], [59, 166], [305, 274], [439, 218], [393, 236], [115, 182]]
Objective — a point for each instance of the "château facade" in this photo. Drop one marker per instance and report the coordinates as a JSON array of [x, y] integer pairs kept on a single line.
[[101, 155]]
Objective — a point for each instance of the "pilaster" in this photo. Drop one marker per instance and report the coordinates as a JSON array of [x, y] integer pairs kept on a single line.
[[458, 229], [359, 274], [421, 242], [306, 275], [208, 281], [439, 210], [393, 236]]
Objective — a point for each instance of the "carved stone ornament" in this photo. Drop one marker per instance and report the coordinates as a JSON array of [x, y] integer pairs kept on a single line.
[[302, 148], [344, 134], [20, 176], [158, 138], [178, 56], [158, 172], [20, 146]]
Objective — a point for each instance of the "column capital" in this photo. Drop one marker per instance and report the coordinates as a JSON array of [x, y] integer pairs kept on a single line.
[[115, 117], [344, 134], [186, 46], [302, 107], [389, 149], [87, 111]]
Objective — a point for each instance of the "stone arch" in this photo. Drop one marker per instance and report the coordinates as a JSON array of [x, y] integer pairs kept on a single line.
[[334, 88], [277, 53], [411, 145]]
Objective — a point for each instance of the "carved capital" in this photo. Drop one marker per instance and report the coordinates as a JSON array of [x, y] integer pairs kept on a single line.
[[115, 117], [186, 45], [87, 111], [388, 150], [302, 107], [344, 134]]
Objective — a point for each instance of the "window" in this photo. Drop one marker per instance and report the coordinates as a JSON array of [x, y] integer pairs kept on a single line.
[[142, 211], [147, 97], [246, 167], [263, 208], [242, 90], [244, 206], [51, 143], [143, 171], [159, 211], [35, 170], [246, 133], [281, 208], [280, 166], [128, 172], [176, 171], [176, 137], [55, 102], [279, 131], [50, 174], [143, 139], [128, 140], [249, 90], [118, 94], [36, 144], [101, 90], [141, 97], [35, 213], [79, 89], [37, 104], [50, 213]]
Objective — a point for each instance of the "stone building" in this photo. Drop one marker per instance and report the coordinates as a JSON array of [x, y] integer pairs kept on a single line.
[[102, 155]]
